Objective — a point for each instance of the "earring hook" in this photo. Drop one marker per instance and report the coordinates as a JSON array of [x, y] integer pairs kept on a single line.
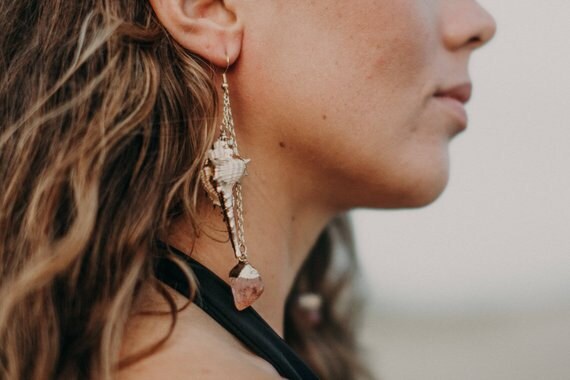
[[225, 79], [227, 64]]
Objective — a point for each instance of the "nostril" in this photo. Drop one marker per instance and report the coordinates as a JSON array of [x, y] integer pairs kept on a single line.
[[484, 35], [475, 42]]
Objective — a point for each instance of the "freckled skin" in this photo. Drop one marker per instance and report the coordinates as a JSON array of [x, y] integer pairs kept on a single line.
[[347, 85]]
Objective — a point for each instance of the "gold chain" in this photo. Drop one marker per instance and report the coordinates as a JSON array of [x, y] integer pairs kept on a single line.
[[228, 129]]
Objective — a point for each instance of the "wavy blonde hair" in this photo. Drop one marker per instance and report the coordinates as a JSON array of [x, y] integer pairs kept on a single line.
[[104, 122]]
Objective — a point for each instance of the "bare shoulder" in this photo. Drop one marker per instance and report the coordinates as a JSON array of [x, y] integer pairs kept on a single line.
[[198, 348]]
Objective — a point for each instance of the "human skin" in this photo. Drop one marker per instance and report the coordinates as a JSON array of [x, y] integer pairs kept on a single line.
[[347, 87], [334, 103]]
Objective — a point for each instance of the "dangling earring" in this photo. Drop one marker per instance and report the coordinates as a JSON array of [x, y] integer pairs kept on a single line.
[[220, 176]]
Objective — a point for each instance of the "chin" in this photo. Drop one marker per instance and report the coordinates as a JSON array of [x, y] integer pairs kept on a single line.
[[423, 190], [424, 181], [422, 197], [414, 190]]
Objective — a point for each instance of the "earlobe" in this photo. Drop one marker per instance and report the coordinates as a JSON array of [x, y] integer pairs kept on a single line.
[[208, 28]]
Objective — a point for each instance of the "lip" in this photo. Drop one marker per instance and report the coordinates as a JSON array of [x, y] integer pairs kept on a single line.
[[461, 93], [453, 100]]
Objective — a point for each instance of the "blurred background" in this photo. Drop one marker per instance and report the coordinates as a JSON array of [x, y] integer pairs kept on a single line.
[[477, 285]]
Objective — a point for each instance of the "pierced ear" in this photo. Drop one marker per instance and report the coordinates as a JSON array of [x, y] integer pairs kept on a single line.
[[208, 28]]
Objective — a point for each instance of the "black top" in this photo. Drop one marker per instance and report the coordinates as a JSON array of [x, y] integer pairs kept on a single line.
[[215, 298]]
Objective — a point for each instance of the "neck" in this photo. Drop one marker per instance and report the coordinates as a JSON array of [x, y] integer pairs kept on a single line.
[[279, 235]]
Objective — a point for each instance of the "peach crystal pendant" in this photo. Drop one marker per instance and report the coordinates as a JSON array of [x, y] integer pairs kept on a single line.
[[246, 285]]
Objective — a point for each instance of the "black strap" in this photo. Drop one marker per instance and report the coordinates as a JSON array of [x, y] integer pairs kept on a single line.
[[215, 298]]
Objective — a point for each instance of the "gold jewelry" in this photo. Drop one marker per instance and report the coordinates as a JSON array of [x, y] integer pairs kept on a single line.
[[220, 176]]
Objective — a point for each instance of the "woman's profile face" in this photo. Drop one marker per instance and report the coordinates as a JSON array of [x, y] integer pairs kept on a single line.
[[344, 91]]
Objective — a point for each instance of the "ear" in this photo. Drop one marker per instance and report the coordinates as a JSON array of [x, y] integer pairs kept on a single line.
[[208, 28]]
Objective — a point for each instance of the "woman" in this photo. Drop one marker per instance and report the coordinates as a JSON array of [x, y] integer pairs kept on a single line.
[[109, 110]]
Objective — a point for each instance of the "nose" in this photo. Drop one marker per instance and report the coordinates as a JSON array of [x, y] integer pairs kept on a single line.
[[467, 25]]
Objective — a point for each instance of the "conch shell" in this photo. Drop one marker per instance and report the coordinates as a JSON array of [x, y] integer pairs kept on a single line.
[[223, 169]]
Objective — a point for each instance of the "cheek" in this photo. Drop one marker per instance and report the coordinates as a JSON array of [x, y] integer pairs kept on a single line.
[[348, 89]]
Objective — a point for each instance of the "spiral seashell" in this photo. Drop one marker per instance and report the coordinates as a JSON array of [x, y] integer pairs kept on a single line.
[[222, 170], [228, 166]]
